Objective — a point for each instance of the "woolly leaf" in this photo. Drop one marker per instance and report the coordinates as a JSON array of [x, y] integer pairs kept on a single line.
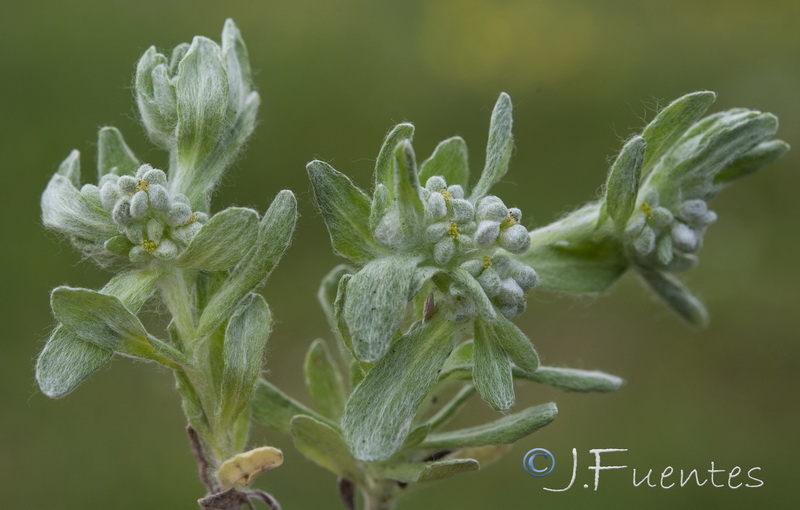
[[66, 361], [346, 211], [515, 344], [427, 471], [376, 304], [752, 161], [275, 409], [623, 181], [485, 455], [328, 289], [409, 206], [465, 281], [449, 160], [384, 165], [379, 413], [245, 339], [498, 148], [324, 381], [274, 234], [71, 168], [113, 155], [505, 430], [572, 379], [492, 371], [324, 445], [222, 241], [66, 210], [677, 296], [671, 123]]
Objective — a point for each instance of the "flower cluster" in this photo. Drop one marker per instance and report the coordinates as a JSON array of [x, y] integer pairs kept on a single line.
[[153, 222]]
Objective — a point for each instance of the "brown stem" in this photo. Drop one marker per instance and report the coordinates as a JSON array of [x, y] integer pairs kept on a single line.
[[200, 459]]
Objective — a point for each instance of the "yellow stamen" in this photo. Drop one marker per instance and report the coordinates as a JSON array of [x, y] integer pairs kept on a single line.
[[508, 222], [453, 231], [446, 194], [149, 245], [487, 262], [647, 211], [192, 218], [142, 185]]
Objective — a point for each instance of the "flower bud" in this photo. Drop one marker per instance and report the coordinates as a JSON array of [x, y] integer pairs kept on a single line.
[[487, 232], [515, 239], [444, 250], [435, 183], [684, 238], [435, 206], [139, 205], [492, 208], [462, 210], [456, 191]]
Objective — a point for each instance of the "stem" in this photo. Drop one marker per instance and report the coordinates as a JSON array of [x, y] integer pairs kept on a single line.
[[380, 496], [178, 297]]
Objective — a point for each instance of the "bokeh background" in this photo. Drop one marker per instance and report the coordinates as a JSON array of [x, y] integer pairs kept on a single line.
[[334, 76]]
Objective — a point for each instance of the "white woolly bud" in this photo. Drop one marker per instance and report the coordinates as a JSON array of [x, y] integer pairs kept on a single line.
[[510, 292], [165, 250], [684, 238], [155, 230], [473, 267], [444, 250], [134, 233], [465, 244], [178, 214], [708, 218], [201, 217], [492, 208], [91, 192], [107, 178], [515, 239], [186, 233], [468, 228], [155, 176], [127, 183], [661, 217], [664, 249], [636, 224], [515, 213], [524, 275], [435, 206], [693, 210], [139, 205], [181, 199], [436, 231], [109, 195], [645, 243], [143, 169], [487, 232], [509, 310], [435, 183], [490, 281], [501, 264], [456, 191], [138, 254], [651, 197], [159, 197], [122, 213], [462, 210]]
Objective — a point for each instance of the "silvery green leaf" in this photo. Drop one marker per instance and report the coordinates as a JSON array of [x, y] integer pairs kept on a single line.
[[133, 288], [68, 211], [409, 206], [324, 445], [237, 63], [426, 471], [324, 381], [688, 170], [573, 379], [66, 361], [460, 361], [485, 455], [752, 161], [274, 234], [222, 241], [505, 430], [516, 344], [451, 407], [346, 211], [275, 409], [384, 165], [622, 186], [101, 319], [376, 304], [671, 123], [379, 207], [245, 339], [379, 413], [71, 168], [328, 290], [492, 369], [677, 296], [470, 285], [498, 148], [158, 116], [449, 160], [113, 155]]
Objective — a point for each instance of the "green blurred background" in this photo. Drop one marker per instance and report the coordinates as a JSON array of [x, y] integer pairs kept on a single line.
[[334, 76]]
